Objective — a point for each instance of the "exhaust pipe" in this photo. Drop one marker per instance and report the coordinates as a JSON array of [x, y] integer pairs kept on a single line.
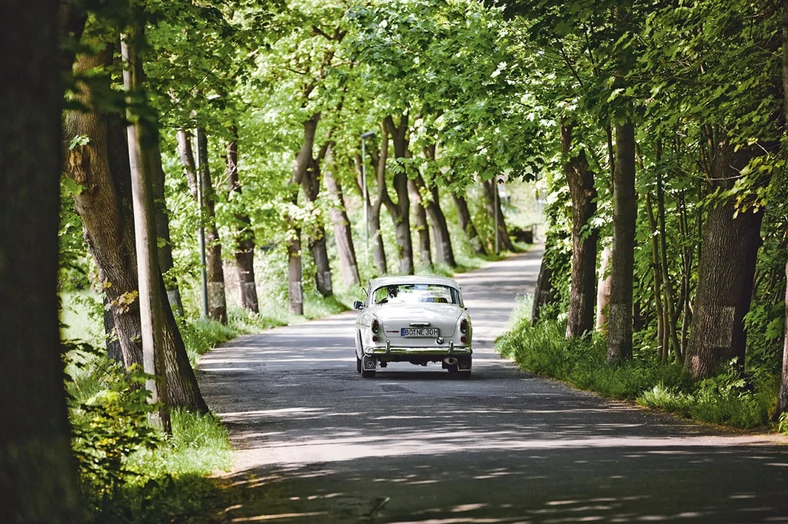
[[450, 361]]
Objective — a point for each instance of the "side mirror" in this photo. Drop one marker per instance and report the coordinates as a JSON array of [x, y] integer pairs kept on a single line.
[[359, 305]]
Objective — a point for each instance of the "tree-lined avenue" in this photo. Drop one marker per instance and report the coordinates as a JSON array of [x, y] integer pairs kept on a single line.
[[316, 443]]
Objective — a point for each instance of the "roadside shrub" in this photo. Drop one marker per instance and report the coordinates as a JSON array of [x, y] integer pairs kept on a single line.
[[726, 398]]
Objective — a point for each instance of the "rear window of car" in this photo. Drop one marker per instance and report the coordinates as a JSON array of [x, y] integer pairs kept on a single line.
[[416, 293]]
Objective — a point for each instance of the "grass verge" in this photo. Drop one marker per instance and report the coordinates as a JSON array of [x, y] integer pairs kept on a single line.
[[726, 399]]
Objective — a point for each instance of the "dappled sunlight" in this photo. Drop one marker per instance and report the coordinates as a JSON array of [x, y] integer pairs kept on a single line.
[[317, 443]]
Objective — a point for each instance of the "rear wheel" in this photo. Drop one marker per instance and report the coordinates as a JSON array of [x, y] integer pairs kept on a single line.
[[367, 374], [358, 364]]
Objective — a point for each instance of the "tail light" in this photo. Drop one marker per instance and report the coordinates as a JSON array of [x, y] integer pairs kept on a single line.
[[375, 326], [464, 325]]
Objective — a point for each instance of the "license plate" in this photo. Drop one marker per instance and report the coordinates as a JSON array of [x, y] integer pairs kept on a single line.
[[419, 332]]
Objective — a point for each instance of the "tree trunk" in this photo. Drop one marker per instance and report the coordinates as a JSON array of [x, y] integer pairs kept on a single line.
[[782, 401], [400, 211], [146, 244], [342, 232], [295, 273], [656, 270], [217, 300], [166, 262], [582, 294], [603, 290], [494, 208], [244, 241], [102, 167], [38, 479], [466, 223], [619, 338], [380, 159], [422, 227], [444, 252], [543, 292], [725, 272], [306, 171]]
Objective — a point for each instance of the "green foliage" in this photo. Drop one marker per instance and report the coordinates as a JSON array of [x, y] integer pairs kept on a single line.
[[131, 471], [724, 399], [109, 424]]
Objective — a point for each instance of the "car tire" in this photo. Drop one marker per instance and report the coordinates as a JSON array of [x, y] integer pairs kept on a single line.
[[464, 375], [367, 374], [452, 368], [358, 364]]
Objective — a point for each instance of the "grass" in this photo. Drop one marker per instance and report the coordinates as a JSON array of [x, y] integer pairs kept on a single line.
[[725, 399]]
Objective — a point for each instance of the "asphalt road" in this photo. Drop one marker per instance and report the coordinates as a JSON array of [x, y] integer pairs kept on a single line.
[[317, 443]]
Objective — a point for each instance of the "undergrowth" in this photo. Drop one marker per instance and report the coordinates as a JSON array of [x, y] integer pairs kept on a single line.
[[726, 399]]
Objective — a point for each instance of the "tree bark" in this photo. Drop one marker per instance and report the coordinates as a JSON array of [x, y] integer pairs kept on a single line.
[[146, 243], [244, 236], [466, 223], [603, 290], [619, 338], [343, 235], [444, 252], [306, 171], [582, 294], [400, 211], [422, 227], [295, 273], [494, 208], [725, 272], [782, 401], [101, 166], [543, 292], [217, 299], [38, 479], [380, 159]]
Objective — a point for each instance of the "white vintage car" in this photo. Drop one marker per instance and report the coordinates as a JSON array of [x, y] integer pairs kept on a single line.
[[416, 319]]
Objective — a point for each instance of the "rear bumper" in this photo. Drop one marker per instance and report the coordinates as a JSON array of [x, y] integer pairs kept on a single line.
[[406, 353]]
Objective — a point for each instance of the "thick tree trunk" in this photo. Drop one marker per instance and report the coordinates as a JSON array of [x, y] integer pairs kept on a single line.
[[102, 167], [444, 252], [725, 273], [343, 235], [619, 337], [725, 283], [400, 211], [494, 208], [422, 227], [217, 299], [306, 171], [166, 262], [38, 479], [466, 223], [582, 294], [380, 159], [244, 241]]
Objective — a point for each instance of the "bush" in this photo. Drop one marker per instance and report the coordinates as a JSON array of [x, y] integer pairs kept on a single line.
[[724, 399]]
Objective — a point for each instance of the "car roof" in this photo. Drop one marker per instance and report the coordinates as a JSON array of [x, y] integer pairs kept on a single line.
[[413, 279]]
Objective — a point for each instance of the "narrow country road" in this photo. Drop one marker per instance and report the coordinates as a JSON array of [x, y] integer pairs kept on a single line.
[[316, 443]]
